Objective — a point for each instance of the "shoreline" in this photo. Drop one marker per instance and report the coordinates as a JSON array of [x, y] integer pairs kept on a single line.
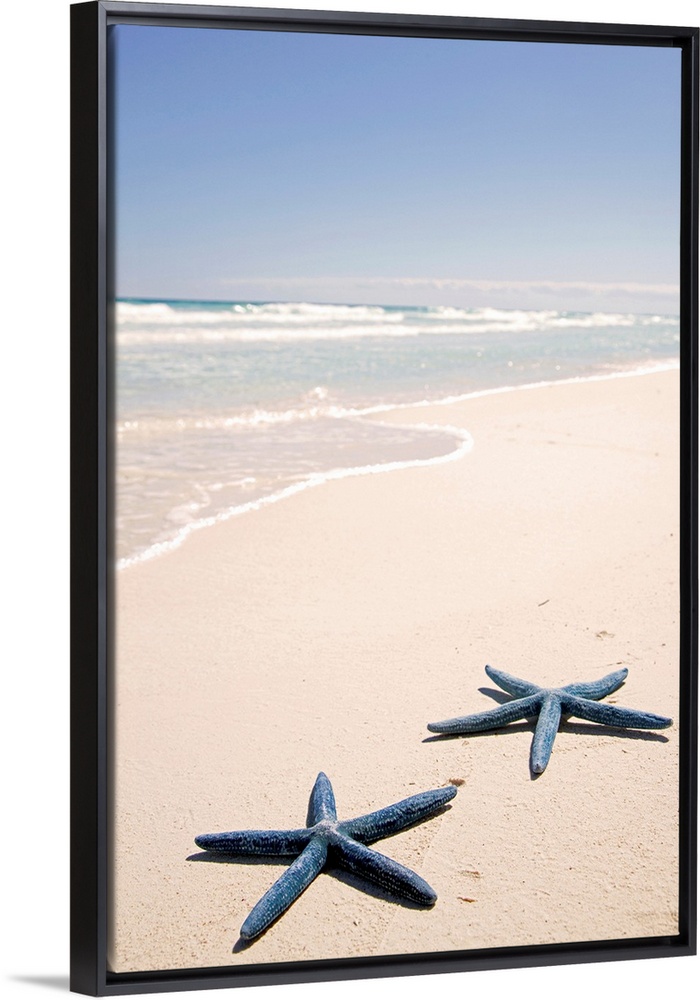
[[325, 633], [462, 434]]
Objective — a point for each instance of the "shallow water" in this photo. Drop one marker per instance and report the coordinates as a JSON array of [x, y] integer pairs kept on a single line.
[[222, 406]]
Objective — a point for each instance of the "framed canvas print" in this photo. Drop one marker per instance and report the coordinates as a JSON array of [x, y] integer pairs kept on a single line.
[[384, 336]]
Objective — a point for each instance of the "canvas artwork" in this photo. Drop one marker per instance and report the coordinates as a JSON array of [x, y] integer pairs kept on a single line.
[[396, 495]]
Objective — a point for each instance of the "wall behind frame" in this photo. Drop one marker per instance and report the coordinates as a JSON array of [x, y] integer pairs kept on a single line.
[[34, 516]]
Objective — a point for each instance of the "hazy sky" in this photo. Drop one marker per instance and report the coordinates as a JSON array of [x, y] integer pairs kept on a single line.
[[282, 166]]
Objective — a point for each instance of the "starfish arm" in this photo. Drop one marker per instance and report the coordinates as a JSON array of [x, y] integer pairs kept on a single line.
[[385, 822], [493, 718], [255, 841], [385, 872], [513, 685], [286, 889], [611, 715], [322, 801], [545, 733], [598, 689]]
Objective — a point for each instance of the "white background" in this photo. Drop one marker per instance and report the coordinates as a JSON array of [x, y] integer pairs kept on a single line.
[[34, 51]]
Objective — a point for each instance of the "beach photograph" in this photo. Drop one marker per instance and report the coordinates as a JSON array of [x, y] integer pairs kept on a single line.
[[396, 357]]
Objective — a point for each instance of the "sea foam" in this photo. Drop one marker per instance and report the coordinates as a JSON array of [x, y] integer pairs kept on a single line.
[[223, 408], [179, 323]]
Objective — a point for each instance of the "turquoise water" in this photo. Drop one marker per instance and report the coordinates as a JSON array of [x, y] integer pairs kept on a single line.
[[223, 405]]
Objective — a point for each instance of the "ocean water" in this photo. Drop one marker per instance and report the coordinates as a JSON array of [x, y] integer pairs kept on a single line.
[[223, 407]]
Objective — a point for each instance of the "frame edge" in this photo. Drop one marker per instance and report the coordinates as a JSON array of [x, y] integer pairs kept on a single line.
[[88, 593], [89, 549]]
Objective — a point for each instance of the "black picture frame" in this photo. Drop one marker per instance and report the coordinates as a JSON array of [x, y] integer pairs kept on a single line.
[[92, 493]]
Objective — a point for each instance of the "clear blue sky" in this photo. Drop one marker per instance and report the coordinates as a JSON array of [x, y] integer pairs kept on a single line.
[[274, 166]]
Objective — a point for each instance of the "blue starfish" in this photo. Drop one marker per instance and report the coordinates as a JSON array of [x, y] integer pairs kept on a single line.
[[549, 704], [324, 838]]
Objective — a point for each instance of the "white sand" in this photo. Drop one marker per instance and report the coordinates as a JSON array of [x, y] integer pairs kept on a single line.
[[325, 631]]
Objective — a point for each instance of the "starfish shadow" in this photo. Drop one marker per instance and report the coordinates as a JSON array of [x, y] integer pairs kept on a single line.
[[328, 843], [550, 710], [500, 696], [514, 727], [212, 858], [335, 867], [243, 945], [337, 872], [419, 821], [576, 728], [581, 729]]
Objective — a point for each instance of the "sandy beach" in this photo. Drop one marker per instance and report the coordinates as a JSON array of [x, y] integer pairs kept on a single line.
[[323, 632]]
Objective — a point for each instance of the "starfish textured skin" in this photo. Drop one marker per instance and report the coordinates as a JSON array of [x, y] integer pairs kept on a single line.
[[325, 838], [549, 704]]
